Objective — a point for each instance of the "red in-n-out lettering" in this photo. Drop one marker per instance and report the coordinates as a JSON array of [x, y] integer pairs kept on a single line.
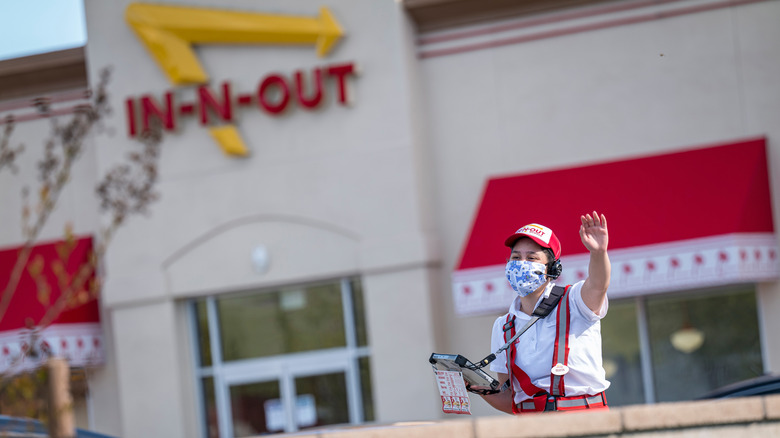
[[275, 93], [536, 231]]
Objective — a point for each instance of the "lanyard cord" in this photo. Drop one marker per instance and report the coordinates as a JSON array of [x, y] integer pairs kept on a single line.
[[517, 335], [542, 310], [492, 356]]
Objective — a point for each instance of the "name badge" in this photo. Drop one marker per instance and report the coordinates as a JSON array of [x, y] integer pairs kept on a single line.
[[559, 369]]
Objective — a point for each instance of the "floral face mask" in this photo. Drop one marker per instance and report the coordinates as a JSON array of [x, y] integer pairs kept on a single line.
[[524, 276]]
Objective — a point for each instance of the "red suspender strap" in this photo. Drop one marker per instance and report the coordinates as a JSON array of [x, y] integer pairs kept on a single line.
[[561, 350], [514, 371]]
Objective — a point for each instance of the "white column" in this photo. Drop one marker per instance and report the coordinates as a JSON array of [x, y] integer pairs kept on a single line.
[[401, 336], [768, 301], [149, 368]]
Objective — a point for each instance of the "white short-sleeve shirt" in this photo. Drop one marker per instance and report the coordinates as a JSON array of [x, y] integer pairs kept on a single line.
[[535, 346]]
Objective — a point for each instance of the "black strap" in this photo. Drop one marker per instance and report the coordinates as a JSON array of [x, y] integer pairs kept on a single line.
[[548, 304], [544, 308], [486, 391]]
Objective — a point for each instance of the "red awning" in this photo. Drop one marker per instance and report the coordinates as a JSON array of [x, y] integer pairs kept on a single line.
[[693, 218], [75, 333]]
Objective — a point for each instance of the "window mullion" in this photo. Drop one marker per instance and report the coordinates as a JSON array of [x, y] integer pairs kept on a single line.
[[348, 307], [354, 395], [645, 351], [221, 396], [289, 395], [200, 403]]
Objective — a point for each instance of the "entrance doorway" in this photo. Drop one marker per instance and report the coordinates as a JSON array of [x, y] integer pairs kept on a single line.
[[295, 393], [283, 360]]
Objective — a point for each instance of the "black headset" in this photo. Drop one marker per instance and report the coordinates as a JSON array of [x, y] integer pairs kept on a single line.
[[554, 269]]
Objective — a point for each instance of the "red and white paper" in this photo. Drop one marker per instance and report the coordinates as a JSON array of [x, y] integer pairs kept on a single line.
[[452, 388]]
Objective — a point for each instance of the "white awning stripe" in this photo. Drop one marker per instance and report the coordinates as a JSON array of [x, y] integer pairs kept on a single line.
[[682, 265], [80, 344]]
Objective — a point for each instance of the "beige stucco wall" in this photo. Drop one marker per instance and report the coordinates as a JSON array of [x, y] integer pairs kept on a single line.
[[329, 193]]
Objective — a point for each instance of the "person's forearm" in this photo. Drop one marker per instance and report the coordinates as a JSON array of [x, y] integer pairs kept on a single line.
[[594, 291], [599, 270], [501, 401]]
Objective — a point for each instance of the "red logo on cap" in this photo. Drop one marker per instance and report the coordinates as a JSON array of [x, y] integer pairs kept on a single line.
[[530, 229]]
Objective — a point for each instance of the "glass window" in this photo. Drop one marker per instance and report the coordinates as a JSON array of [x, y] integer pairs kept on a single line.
[[359, 313], [281, 339], [697, 343], [321, 400], [210, 407], [700, 343], [620, 345], [256, 409], [204, 343], [365, 382], [280, 322], [313, 310]]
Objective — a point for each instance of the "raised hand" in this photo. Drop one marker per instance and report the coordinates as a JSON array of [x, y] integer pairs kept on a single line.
[[593, 232]]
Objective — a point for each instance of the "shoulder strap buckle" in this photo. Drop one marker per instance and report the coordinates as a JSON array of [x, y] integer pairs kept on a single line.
[[509, 324]]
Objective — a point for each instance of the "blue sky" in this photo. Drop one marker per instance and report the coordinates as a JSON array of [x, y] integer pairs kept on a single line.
[[29, 27]]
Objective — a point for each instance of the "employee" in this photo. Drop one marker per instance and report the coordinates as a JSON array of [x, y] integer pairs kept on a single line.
[[556, 365]]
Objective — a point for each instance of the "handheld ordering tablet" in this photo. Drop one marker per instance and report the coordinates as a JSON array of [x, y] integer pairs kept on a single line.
[[472, 373]]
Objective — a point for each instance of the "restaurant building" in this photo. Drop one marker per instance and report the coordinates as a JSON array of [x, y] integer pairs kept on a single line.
[[336, 180]]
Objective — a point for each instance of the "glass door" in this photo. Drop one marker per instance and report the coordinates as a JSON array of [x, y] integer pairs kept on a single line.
[[255, 409], [282, 360], [321, 400], [290, 394]]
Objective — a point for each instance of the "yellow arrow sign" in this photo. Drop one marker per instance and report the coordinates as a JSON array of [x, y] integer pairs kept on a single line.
[[170, 31], [229, 140]]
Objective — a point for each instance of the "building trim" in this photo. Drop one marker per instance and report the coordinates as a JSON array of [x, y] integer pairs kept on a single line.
[[469, 46], [37, 75]]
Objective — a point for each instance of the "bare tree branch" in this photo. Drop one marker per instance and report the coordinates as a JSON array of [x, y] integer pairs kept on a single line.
[[8, 154], [63, 147]]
